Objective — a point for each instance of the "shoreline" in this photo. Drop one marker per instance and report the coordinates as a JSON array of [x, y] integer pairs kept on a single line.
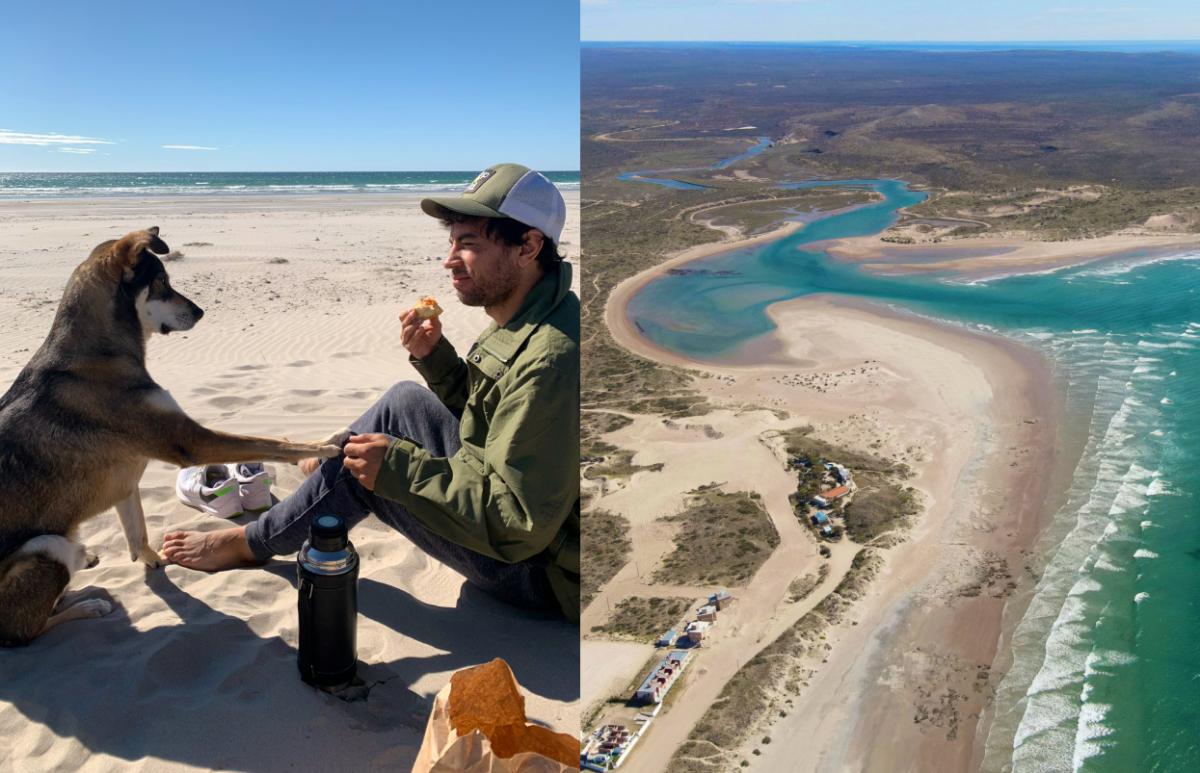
[[616, 318], [998, 256], [997, 507], [222, 201]]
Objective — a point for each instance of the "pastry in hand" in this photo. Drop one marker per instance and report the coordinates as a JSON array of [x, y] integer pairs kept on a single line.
[[427, 308]]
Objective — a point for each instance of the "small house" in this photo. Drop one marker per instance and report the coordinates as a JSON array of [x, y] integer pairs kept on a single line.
[[820, 518], [697, 630], [720, 599], [707, 613], [668, 639], [834, 494]]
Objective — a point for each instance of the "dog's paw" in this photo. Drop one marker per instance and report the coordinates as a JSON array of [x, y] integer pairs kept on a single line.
[[151, 558], [332, 445], [92, 608], [338, 438]]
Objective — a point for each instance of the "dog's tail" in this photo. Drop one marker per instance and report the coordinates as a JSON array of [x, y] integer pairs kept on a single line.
[[31, 582]]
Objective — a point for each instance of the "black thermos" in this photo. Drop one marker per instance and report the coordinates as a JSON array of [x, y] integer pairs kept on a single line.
[[327, 567]]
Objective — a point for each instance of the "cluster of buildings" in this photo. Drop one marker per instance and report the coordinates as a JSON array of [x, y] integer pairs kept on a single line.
[[609, 745], [694, 631], [660, 679], [606, 748], [824, 507]]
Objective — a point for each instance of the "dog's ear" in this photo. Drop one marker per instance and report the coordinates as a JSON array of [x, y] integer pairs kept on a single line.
[[124, 254]]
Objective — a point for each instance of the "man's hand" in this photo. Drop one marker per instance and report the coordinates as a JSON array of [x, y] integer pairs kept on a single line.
[[364, 457], [419, 336]]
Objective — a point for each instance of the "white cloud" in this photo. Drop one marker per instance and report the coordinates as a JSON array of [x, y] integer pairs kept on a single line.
[[10, 137], [78, 151], [188, 147]]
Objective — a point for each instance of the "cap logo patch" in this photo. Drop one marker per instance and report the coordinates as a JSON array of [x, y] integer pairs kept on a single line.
[[479, 180]]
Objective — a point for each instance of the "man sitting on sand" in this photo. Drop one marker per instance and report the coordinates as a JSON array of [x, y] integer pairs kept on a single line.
[[482, 472]]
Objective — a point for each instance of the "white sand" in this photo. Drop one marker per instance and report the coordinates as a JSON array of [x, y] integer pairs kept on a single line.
[[1001, 254], [193, 670]]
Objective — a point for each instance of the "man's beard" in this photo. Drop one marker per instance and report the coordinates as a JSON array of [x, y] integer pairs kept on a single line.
[[493, 290]]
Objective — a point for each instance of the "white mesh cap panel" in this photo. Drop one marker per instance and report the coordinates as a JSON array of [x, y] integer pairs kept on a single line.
[[534, 201]]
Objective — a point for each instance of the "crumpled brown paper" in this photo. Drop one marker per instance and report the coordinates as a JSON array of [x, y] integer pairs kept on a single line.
[[478, 726]]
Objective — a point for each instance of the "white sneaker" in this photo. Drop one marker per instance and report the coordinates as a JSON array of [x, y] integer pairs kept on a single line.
[[254, 484], [210, 489]]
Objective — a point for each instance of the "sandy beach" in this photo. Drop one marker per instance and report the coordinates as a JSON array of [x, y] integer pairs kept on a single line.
[[992, 256], [907, 681], [197, 671]]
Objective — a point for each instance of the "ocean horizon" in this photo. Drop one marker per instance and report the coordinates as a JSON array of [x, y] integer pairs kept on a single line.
[[74, 185]]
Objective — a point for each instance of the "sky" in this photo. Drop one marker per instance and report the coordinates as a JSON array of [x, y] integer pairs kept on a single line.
[[268, 85], [889, 20]]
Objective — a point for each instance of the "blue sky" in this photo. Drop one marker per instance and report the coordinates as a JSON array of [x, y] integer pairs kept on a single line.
[[890, 20], [273, 86]]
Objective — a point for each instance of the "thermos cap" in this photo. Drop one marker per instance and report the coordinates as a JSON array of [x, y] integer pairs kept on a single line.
[[328, 533]]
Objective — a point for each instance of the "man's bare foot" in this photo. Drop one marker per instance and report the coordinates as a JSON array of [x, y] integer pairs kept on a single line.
[[308, 466], [209, 551]]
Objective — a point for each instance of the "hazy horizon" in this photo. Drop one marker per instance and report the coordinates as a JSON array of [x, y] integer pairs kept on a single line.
[[889, 20]]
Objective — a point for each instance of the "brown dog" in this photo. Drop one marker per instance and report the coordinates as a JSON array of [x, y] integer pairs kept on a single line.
[[83, 419]]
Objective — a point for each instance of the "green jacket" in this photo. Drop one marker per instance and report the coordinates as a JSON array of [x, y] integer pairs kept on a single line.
[[512, 490]]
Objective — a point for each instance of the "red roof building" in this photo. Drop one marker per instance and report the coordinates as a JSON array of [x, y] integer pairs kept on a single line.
[[835, 493]]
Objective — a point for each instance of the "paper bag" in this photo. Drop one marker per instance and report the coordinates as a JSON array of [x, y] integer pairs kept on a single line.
[[478, 726]]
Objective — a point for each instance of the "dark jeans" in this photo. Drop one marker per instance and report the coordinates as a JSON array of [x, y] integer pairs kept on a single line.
[[412, 411]]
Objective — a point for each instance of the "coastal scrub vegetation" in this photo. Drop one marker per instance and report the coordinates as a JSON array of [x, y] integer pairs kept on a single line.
[[881, 504], [802, 587], [644, 619], [723, 539], [1003, 146], [601, 459], [604, 539], [772, 209]]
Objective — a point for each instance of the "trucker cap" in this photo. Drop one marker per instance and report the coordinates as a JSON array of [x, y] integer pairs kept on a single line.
[[507, 190]]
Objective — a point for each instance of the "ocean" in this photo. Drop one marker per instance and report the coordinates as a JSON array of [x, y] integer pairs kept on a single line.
[[70, 185], [1106, 659]]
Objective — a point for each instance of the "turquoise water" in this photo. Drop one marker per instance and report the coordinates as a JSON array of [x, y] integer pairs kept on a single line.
[[1106, 660], [758, 147], [666, 182], [49, 185], [679, 185]]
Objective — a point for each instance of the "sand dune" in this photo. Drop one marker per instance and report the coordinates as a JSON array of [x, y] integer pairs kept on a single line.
[[193, 670]]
